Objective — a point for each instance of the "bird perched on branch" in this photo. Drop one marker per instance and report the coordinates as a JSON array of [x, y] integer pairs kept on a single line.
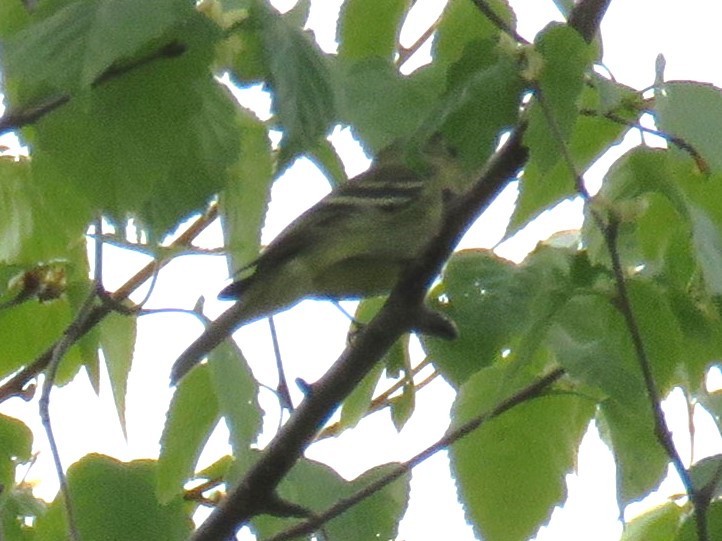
[[353, 243]]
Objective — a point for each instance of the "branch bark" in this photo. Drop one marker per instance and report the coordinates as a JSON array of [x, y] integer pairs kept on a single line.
[[255, 493]]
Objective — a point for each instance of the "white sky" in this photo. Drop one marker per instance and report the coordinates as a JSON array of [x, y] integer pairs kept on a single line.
[[635, 31]]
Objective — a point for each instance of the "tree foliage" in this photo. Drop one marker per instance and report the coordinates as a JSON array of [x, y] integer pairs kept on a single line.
[[121, 108]]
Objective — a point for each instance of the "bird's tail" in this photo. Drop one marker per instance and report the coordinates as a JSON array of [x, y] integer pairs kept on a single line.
[[212, 336]]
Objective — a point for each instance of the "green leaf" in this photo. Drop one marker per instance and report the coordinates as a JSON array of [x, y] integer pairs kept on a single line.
[[640, 460], [480, 292], [370, 28], [566, 58], [463, 23], [13, 17], [74, 46], [706, 476], [244, 199], [15, 445], [659, 524], [378, 516], [482, 99], [356, 405], [156, 143], [317, 487], [38, 223], [539, 189], [707, 235], [192, 415], [402, 406], [659, 327], [688, 531], [510, 471], [701, 334], [591, 341], [117, 335], [27, 330], [690, 111], [52, 525], [18, 508], [381, 104], [501, 309], [109, 495], [237, 393], [302, 95]]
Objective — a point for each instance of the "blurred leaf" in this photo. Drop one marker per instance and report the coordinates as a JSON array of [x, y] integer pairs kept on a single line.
[[510, 471], [688, 531], [237, 393], [72, 47], [317, 487], [659, 524], [381, 104], [29, 329], [368, 28], [463, 23], [13, 17], [118, 333], [244, 199], [302, 96], [691, 110], [192, 416], [482, 99], [108, 495], [156, 143], [641, 462], [708, 243], [566, 58], [38, 223], [706, 475], [15, 446], [402, 406], [18, 509]]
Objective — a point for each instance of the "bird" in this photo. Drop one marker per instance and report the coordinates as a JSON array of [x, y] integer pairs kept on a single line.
[[354, 243]]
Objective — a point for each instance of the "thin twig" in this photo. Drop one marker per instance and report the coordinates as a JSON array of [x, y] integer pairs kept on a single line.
[[282, 392], [254, 493], [15, 119], [16, 385], [61, 347], [610, 229], [406, 53], [381, 401], [497, 21], [532, 391], [562, 144], [673, 139], [661, 430]]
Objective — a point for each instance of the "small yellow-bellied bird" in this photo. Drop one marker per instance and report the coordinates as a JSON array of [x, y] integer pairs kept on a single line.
[[353, 243]]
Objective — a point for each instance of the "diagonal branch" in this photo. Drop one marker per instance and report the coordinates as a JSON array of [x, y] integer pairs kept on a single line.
[[14, 119], [16, 384], [531, 391], [255, 493]]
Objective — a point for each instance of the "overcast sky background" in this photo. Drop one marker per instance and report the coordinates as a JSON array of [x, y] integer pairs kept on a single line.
[[634, 33]]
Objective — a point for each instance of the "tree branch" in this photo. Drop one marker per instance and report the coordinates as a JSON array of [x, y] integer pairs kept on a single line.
[[16, 385], [531, 391], [255, 492], [14, 119]]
